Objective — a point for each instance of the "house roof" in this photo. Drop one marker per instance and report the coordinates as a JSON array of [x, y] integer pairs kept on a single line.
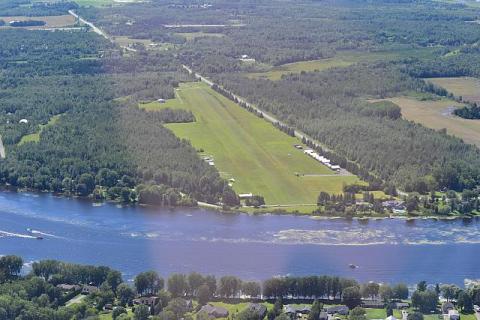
[[217, 312], [258, 308], [446, 306], [337, 309]]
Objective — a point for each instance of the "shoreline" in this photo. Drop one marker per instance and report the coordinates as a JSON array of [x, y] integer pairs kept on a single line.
[[219, 209]]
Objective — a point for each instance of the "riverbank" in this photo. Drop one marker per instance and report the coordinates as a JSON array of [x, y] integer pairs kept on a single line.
[[280, 211]]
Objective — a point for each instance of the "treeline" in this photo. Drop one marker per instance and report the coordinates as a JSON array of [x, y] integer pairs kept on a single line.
[[35, 8], [42, 294], [28, 23], [329, 107], [163, 159], [468, 112], [103, 146], [449, 62]]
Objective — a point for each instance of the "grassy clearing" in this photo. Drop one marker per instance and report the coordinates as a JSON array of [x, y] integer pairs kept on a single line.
[[376, 313], [435, 115], [103, 3], [189, 36], [342, 59], [260, 158], [50, 21], [467, 87], [35, 137], [124, 41]]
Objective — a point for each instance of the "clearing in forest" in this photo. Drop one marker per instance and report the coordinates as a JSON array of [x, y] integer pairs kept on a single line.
[[35, 137], [466, 87], [437, 114], [104, 3], [189, 36], [50, 21], [342, 59], [259, 158]]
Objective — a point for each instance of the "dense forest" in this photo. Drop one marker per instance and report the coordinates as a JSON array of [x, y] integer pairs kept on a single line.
[[100, 146], [35, 8], [331, 107]]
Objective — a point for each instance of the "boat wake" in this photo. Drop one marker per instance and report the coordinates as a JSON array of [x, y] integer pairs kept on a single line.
[[6, 234], [40, 233]]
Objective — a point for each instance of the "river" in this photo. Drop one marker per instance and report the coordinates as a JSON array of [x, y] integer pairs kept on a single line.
[[135, 239]]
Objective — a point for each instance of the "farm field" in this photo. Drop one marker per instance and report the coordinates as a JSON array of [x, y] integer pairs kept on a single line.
[[467, 87], [51, 21], [343, 59], [103, 3], [261, 159], [435, 115], [193, 35]]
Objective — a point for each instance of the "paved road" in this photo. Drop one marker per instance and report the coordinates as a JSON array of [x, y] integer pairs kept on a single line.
[[477, 314]]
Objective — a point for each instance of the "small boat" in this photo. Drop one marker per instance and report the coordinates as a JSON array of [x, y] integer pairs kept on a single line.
[[352, 266], [29, 230]]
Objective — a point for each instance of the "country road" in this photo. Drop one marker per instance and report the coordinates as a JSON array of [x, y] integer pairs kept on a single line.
[[97, 30], [2, 149], [91, 25]]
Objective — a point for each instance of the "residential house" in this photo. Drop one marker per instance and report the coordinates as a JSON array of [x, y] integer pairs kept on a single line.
[[341, 310], [146, 301], [214, 311], [401, 305], [87, 289], [259, 309], [68, 287], [452, 315], [446, 306]]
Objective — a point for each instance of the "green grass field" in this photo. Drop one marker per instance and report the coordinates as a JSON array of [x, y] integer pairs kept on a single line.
[[466, 87], [193, 35], [35, 137], [434, 114], [342, 59], [260, 158], [102, 3]]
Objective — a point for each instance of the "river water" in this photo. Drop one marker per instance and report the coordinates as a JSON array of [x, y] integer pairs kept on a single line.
[[135, 239]]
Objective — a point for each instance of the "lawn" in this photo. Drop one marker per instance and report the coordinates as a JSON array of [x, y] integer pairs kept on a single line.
[[35, 137], [260, 158], [376, 314], [342, 59], [467, 87], [435, 115]]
